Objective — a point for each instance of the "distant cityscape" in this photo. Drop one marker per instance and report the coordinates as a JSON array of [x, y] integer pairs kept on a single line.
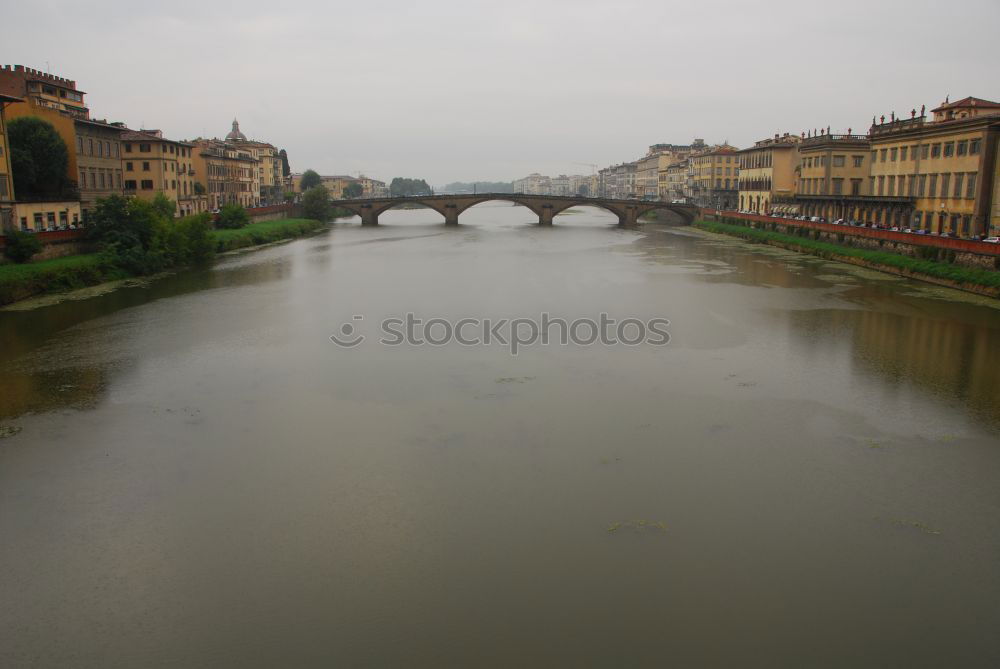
[[936, 172]]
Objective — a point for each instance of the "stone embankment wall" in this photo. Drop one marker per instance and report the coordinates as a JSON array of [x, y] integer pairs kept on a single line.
[[963, 252]]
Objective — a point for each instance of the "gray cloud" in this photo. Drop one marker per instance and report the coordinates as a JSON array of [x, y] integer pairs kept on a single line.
[[450, 90]]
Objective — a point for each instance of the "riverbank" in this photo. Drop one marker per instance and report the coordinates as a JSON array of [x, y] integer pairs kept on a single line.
[[57, 275], [971, 279]]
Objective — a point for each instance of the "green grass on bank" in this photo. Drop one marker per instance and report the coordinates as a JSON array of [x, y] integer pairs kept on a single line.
[[18, 282], [58, 274], [263, 232], [939, 270]]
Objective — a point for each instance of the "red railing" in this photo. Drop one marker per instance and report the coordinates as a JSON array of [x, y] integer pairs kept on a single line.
[[967, 245]]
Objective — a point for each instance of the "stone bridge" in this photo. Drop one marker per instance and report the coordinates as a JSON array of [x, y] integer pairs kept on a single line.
[[544, 206]]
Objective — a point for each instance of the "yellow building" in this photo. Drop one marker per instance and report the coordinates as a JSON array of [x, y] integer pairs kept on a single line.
[[6, 174], [715, 177], [97, 148], [946, 166], [45, 90], [767, 171], [152, 164], [833, 181], [228, 173], [47, 215]]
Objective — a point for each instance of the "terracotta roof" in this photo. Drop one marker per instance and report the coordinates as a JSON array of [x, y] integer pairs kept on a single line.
[[968, 102], [139, 136]]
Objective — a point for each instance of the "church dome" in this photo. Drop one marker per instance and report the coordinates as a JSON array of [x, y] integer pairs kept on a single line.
[[235, 135]]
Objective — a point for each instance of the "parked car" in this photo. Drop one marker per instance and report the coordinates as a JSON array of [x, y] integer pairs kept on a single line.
[[992, 240]]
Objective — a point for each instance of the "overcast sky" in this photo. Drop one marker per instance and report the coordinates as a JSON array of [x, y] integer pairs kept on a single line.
[[452, 90]]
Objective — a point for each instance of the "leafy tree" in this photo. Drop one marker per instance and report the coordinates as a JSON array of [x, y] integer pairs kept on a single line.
[[310, 179], [316, 204], [199, 188], [39, 158], [289, 197], [353, 190], [400, 187], [232, 216], [21, 246], [285, 169], [142, 237], [164, 206]]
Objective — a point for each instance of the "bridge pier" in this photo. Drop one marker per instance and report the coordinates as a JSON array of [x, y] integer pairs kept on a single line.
[[545, 216], [629, 218], [368, 215], [450, 214]]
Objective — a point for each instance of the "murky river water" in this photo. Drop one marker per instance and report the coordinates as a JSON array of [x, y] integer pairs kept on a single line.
[[808, 475]]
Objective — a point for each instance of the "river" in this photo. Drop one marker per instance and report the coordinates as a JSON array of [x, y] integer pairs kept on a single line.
[[806, 475]]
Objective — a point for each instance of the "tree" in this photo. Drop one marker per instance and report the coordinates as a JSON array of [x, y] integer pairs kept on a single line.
[[141, 237], [21, 246], [199, 188], [285, 169], [400, 187], [353, 190], [310, 179], [164, 206], [232, 216], [39, 158], [316, 204], [289, 197]]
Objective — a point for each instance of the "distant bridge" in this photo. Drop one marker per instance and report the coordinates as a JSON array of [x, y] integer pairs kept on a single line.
[[544, 206]]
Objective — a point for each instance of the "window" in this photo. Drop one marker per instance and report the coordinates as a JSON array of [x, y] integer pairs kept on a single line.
[[913, 186], [918, 219], [39, 221], [63, 219], [128, 147], [90, 147], [859, 161], [50, 218], [100, 149], [129, 167], [935, 150], [970, 186], [838, 186], [932, 188], [130, 184], [913, 152], [145, 166], [102, 179], [922, 185], [79, 144], [83, 179], [902, 152], [4, 189], [974, 147], [881, 185], [147, 184], [144, 148], [874, 155], [959, 182], [838, 161], [883, 155], [963, 147], [871, 185], [892, 154], [892, 186], [945, 181], [923, 151], [949, 149], [855, 186]]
